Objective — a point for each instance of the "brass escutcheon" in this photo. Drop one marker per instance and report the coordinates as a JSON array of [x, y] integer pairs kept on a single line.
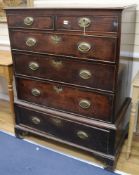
[[84, 22], [85, 104], [82, 135], [57, 89], [56, 122], [28, 21], [85, 74], [56, 39], [57, 64]]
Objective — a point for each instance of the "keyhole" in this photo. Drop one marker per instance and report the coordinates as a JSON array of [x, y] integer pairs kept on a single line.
[[58, 89], [84, 21]]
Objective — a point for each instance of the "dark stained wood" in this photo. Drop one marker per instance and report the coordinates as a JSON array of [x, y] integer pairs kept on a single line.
[[57, 107], [97, 123], [67, 99], [44, 22], [69, 116], [22, 131], [115, 136], [98, 23], [67, 45], [57, 69], [64, 129], [39, 22]]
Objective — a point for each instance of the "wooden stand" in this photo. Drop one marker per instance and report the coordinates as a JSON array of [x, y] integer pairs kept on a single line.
[[134, 109], [6, 71]]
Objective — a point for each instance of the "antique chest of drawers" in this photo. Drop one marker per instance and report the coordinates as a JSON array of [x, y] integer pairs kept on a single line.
[[72, 75]]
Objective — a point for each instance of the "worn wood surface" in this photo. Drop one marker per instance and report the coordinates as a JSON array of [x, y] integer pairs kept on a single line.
[[57, 69], [46, 43], [64, 129], [66, 98]]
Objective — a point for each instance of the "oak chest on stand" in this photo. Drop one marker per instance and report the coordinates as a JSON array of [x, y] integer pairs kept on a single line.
[[72, 75]]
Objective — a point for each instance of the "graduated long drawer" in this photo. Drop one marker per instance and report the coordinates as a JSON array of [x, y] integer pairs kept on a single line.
[[84, 103], [90, 137], [75, 72], [88, 47]]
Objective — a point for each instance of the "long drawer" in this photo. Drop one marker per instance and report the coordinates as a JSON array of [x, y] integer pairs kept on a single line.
[[81, 46], [66, 98], [59, 69], [90, 137]]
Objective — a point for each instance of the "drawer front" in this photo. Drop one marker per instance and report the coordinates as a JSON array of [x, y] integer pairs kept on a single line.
[[89, 137], [31, 22], [86, 103], [81, 73], [89, 23], [85, 47]]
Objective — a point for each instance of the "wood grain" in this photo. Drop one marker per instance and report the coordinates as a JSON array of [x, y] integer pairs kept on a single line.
[[66, 98], [67, 44], [57, 69], [5, 58]]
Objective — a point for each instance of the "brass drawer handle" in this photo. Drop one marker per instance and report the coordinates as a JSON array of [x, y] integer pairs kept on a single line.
[[30, 42], [84, 22], [33, 66], [84, 47], [28, 21], [56, 63], [36, 120], [85, 74], [85, 104], [82, 135], [56, 122], [35, 92], [56, 39], [57, 89]]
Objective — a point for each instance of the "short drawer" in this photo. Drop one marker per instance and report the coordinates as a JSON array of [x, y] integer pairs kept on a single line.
[[81, 46], [87, 23], [31, 22], [90, 137], [80, 73], [66, 98]]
